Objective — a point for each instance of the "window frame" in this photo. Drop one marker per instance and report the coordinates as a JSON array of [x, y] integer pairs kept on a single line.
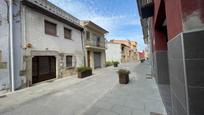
[[52, 24], [69, 65], [67, 29], [88, 38]]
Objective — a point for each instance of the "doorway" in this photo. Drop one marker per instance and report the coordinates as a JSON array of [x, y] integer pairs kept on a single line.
[[97, 60], [43, 68]]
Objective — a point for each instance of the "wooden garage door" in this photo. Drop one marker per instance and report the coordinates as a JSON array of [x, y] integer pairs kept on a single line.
[[97, 60], [43, 68]]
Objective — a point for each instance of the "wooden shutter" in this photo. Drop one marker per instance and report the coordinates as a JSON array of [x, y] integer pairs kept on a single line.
[[50, 28], [87, 35], [68, 61], [67, 33]]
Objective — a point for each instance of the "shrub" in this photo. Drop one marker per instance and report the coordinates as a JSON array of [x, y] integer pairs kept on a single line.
[[83, 69], [108, 63], [123, 72], [115, 62]]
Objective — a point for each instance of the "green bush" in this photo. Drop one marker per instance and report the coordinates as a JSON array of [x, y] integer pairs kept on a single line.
[[115, 62], [123, 72], [83, 69], [109, 63]]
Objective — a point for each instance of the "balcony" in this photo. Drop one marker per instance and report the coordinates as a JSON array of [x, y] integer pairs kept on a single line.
[[95, 45], [146, 8]]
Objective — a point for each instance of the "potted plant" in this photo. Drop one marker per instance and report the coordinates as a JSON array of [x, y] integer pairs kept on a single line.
[[84, 71], [142, 60], [123, 76], [115, 63]]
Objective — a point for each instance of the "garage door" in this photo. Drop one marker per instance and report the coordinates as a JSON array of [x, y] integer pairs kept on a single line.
[[97, 60], [43, 68]]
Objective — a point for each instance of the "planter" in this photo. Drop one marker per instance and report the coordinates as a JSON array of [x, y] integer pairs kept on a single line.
[[115, 65], [123, 79], [84, 74], [142, 60]]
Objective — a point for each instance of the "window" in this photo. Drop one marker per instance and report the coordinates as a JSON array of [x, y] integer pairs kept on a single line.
[[87, 35], [50, 28], [67, 33], [68, 61]]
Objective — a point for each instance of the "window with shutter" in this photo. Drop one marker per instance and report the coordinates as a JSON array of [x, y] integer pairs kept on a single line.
[[68, 61], [67, 33], [87, 35], [50, 28]]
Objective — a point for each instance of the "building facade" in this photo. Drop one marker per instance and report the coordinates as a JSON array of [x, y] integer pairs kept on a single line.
[[122, 53], [4, 46], [132, 55], [95, 44], [175, 29], [48, 43]]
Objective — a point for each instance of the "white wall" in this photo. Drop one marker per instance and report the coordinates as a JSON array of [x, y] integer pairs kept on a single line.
[[113, 52], [4, 37], [35, 34], [29, 28]]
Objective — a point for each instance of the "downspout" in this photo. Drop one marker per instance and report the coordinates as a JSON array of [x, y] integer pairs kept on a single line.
[[83, 48], [11, 55]]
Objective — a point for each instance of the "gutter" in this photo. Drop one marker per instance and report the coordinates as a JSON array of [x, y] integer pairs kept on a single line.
[[11, 52]]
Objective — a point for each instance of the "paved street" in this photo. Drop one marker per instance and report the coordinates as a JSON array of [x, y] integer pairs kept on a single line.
[[99, 94]]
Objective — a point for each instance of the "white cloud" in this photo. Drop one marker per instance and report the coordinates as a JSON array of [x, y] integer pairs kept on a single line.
[[89, 12], [109, 19]]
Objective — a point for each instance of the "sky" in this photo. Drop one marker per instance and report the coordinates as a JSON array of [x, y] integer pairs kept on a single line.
[[119, 17]]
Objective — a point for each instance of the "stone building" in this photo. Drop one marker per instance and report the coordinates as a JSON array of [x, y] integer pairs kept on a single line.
[[175, 29], [48, 42], [94, 42]]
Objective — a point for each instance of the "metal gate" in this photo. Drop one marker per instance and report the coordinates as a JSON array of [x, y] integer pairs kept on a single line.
[[43, 68], [97, 60]]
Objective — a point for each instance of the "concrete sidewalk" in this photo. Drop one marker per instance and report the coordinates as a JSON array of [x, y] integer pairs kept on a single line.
[[140, 97], [99, 94]]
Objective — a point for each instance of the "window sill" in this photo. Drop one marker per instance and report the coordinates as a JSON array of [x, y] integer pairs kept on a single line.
[[51, 35]]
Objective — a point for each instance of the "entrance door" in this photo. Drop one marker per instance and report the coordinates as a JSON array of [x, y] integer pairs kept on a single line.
[[89, 58], [97, 60], [43, 68]]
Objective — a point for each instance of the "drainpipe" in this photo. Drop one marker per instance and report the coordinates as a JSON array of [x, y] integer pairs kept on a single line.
[[11, 55], [83, 46]]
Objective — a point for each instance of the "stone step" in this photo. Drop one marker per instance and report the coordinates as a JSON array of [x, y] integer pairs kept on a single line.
[[3, 65]]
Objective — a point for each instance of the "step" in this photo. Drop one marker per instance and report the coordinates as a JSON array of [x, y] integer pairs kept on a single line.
[[3, 65]]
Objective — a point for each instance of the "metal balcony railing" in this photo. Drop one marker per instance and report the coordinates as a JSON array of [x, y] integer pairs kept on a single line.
[[95, 44]]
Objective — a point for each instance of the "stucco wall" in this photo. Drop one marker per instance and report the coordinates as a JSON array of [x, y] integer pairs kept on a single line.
[[29, 28], [192, 14], [4, 35], [113, 52], [40, 41], [35, 34], [174, 20]]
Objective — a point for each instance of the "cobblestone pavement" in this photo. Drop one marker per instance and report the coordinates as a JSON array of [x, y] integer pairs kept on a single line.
[[100, 94]]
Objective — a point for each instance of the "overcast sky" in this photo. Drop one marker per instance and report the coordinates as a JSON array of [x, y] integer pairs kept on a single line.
[[119, 17]]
